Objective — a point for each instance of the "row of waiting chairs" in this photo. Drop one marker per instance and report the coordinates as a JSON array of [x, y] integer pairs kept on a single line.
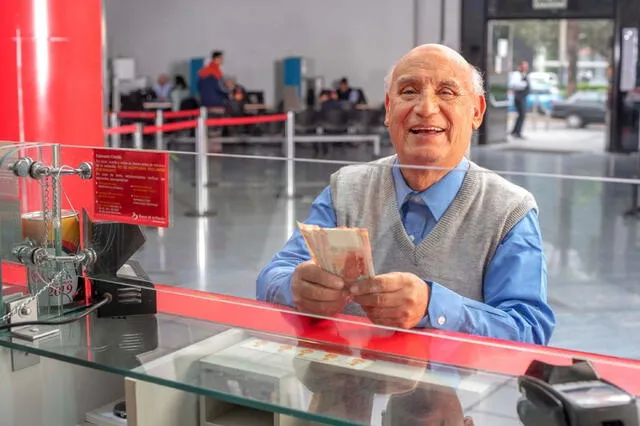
[[339, 121]]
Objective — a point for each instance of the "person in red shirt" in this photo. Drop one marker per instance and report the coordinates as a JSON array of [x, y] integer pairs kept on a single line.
[[210, 83]]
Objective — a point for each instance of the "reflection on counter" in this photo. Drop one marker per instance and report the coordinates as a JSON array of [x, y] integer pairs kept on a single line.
[[333, 382]]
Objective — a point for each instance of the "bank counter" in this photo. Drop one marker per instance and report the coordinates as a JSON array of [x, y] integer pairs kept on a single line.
[[111, 347]]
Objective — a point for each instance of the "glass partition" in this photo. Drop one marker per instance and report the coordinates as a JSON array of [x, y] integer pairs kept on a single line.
[[30, 201], [554, 256]]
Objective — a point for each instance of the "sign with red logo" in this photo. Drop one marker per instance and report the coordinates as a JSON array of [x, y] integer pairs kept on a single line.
[[131, 187]]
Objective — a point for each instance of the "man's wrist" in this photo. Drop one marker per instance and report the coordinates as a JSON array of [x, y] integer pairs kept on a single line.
[[424, 322]]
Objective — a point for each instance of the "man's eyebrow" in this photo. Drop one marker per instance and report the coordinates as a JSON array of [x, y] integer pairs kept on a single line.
[[407, 79], [451, 84]]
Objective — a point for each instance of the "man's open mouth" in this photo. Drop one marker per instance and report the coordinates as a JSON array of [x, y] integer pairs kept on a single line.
[[430, 130]]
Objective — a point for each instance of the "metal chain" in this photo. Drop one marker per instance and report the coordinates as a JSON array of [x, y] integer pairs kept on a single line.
[[46, 183], [18, 308]]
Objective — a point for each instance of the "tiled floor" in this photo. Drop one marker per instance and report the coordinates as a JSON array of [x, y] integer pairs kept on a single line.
[[593, 251]]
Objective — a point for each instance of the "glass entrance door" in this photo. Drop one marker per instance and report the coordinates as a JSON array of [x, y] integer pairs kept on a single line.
[[553, 76]]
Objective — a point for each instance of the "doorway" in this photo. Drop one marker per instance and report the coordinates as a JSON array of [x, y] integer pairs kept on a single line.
[[569, 76]]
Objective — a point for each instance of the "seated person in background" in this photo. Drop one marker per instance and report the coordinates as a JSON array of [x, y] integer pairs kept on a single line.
[[458, 250], [346, 93], [162, 88], [179, 92], [210, 84], [231, 83], [350, 94], [236, 104], [329, 100]]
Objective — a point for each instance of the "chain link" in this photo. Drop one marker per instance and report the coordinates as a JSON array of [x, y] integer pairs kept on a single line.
[[57, 277], [46, 183]]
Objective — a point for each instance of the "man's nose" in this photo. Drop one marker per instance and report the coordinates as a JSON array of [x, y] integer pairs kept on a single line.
[[427, 104]]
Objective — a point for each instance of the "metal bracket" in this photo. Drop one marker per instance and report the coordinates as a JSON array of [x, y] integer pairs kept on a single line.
[[25, 166], [27, 253], [26, 309]]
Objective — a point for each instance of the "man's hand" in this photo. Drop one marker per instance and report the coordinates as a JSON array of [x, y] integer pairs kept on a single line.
[[397, 299], [316, 291]]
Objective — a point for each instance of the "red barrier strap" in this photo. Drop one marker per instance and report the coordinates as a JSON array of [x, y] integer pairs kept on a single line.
[[180, 125], [136, 114], [237, 121], [122, 130], [180, 114]]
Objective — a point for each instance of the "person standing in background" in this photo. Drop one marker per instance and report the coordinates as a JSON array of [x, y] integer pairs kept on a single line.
[[210, 82], [521, 89]]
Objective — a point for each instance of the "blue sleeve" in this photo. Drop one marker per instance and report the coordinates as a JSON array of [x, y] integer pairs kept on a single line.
[[515, 293], [274, 281]]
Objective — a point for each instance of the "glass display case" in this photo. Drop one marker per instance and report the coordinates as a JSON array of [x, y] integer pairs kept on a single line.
[[195, 357]]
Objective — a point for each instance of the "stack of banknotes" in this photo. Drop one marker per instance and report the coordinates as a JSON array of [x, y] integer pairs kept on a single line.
[[345, 252]]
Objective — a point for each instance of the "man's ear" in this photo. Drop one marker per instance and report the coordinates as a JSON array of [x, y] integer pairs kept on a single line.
[[386, 110], [478, 112]]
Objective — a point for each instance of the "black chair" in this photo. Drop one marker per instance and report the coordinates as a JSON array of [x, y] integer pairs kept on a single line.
[[189, 104], [334, 121], [361, 120], [376, 123], [306, 122]]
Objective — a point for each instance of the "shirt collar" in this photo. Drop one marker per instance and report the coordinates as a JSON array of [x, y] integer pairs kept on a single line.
[[438, 196]]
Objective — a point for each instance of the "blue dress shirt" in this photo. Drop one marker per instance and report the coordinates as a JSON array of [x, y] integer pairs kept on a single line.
[[515, 282]]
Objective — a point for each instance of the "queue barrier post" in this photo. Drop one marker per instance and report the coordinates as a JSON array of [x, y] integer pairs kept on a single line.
[[113, 123], [202, 168], [159, 133], [137, 136], [290, 129]]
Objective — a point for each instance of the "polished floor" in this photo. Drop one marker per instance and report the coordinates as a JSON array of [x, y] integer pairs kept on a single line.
[[592, 249]]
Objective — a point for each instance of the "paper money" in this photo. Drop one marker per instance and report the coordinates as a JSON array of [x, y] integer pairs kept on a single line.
[[345, 252]]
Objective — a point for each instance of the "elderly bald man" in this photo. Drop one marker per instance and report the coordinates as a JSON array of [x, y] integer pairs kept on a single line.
[[456, 250]]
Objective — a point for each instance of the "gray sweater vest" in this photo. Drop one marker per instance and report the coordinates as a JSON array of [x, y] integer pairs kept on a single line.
[[457, 251]]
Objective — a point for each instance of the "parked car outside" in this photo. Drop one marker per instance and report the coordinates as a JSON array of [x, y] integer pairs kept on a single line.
[[582, 108]]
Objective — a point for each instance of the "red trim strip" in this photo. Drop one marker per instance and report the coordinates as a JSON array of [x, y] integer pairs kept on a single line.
[[445, 347], [451, 348]]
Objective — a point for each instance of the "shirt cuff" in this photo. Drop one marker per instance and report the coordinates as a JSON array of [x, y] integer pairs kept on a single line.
[[279, 291], [445, 308]]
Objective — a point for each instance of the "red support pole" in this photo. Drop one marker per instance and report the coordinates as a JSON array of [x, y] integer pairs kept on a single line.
[[51, 83], [51, 74]]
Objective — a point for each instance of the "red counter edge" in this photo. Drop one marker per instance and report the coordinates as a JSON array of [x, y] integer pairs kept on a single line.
[[458, 349]]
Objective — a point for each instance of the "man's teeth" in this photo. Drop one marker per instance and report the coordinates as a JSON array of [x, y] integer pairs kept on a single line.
[[426, 130]]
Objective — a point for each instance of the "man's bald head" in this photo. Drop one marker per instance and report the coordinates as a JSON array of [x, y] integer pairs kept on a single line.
[[433, 104], [439, 50]]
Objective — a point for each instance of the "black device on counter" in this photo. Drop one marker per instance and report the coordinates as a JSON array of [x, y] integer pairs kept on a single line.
[[114, 272], [573, 395], [120, 410]]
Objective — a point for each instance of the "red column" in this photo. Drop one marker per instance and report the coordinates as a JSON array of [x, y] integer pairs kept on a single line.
[[51, 71]]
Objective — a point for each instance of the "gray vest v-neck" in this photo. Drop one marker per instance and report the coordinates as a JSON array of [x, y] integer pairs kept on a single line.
[[458, 249]]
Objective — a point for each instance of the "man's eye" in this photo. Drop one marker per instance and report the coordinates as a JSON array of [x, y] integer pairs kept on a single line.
[[409, 91], [447, 92]]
